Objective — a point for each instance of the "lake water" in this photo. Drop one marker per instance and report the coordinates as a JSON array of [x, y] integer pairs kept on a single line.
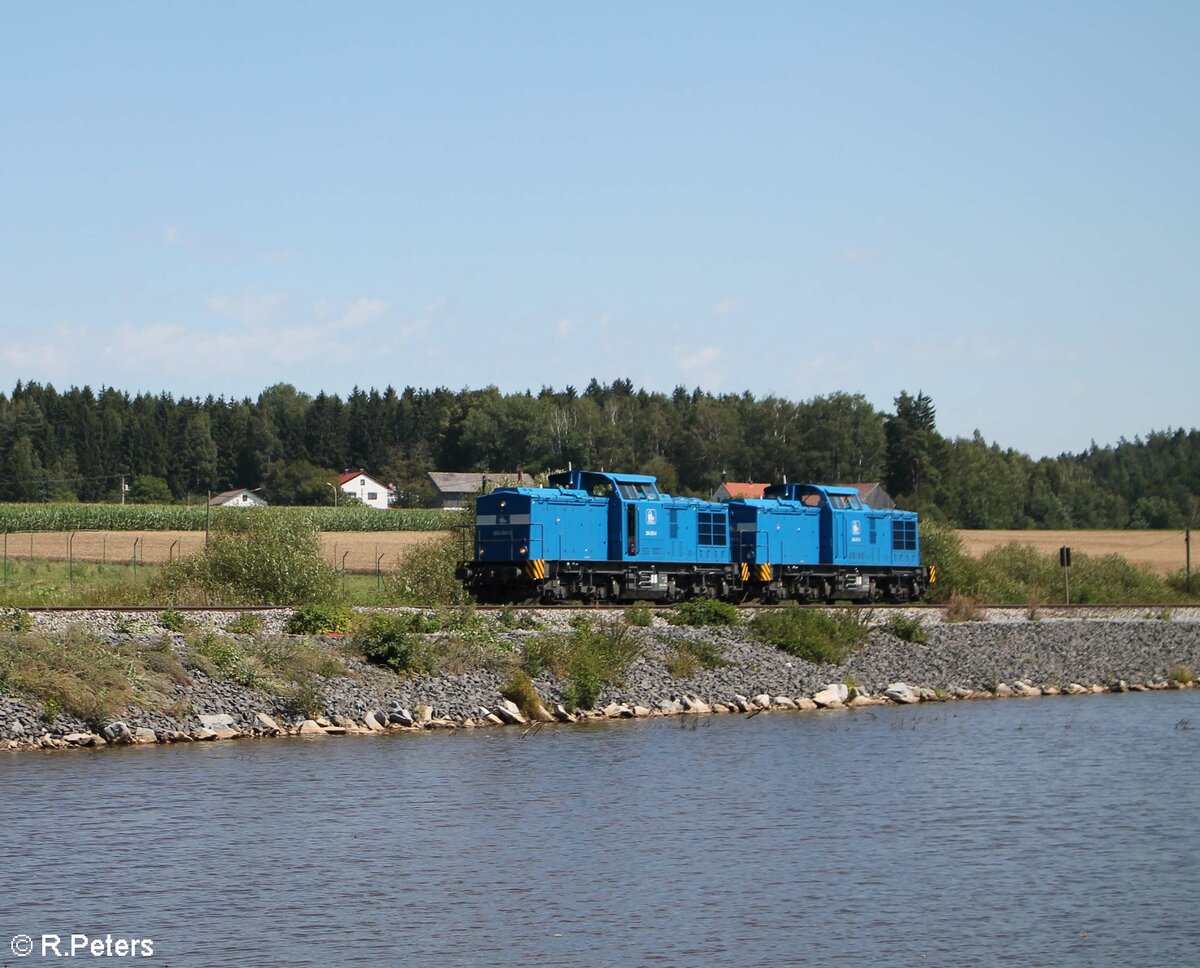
[[1044, 831]]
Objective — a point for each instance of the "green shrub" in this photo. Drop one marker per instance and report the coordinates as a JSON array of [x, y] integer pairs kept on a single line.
[[907, 628], [639, 616], [545, 654], [173, 621], [253, 559], [597, 658], [513, 618], [15, 620], [386, 640], [215, 654], [817, 635], [425, 575], [320, 619], [703, 611], [248, 623]]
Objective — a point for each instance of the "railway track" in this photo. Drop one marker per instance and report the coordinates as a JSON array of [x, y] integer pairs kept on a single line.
[[1046, 610]]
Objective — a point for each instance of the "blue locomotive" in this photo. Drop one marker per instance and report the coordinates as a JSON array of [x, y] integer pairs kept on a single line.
[[593, 536]]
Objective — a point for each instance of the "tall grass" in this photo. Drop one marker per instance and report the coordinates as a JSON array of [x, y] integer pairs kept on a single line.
[[586, 659], [78, 674]]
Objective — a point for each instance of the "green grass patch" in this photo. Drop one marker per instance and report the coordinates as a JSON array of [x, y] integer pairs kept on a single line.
[[907, 628], [248, 623], [825, 636], [321, 618], [388, 640], [702, 612], [639, 616], [1181, 674]]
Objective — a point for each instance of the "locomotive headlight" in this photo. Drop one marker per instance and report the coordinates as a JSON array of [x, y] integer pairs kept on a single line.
[[504, 504], [522, 549]]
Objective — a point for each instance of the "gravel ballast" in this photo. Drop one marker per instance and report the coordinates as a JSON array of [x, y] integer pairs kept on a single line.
[[1111, 650]]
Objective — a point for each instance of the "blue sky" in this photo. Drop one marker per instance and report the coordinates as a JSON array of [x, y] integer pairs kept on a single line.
[[995, 203]]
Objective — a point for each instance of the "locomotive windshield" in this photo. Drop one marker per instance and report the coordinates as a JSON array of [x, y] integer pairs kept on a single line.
[[638, 492]]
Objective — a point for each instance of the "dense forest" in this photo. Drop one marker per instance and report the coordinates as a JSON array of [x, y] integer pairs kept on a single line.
[[77, 445]]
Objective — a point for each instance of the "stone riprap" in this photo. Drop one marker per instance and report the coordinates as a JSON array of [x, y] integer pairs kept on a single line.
[[967, 660]]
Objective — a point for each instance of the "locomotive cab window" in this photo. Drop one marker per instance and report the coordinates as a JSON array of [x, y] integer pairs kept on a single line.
[[638, 492], [711, 529]]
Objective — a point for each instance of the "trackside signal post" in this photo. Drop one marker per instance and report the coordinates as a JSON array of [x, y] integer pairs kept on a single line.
[[1064, 559]]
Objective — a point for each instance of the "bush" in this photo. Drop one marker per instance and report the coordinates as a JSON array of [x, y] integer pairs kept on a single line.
[[962, 609], [253, 559], [596, 658], [173, 621], [1181, 674], [519, 689], [703, 611], [512, 618], [15, 620], [639, 616], [907, 628], [248, 623], [817, 635], [387, 641], [425, 575], [320, 619]]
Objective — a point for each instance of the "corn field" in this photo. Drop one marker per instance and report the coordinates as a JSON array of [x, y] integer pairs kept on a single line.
[[157, 517]]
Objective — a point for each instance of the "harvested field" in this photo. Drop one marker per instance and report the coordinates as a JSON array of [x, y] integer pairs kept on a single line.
[[1161, 552], [359, 548]]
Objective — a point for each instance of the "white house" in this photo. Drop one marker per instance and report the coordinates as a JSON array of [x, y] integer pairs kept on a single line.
[[371, 491]]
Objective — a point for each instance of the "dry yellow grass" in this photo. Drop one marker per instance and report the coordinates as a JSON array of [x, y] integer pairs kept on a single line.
[[1161, 552], [358, 548]]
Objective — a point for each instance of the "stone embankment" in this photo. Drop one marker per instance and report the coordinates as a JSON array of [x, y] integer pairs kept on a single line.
[[967, 661]]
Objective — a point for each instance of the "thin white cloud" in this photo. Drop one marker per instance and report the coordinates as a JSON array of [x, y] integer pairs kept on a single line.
[[251, 308], [724, 307], [706, 356], [564, 328]]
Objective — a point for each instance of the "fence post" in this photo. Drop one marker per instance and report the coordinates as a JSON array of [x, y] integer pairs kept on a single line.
[[71, 557], [344, 553], [6, 557]]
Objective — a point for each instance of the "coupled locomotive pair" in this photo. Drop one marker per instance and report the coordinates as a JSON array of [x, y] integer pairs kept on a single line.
[[598, 537]]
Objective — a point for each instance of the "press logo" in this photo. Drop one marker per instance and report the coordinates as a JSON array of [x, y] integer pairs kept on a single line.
[[81, 946]]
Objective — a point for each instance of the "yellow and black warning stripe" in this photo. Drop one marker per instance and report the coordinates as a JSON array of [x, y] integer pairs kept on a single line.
[[535, 569], [932, 574], [762, 572], [745, 571]]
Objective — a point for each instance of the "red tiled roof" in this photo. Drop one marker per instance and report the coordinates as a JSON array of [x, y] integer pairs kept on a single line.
[[745, 490], [350, 475]]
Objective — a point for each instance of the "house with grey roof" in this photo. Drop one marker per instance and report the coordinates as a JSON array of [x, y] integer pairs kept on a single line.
[[453, 490]]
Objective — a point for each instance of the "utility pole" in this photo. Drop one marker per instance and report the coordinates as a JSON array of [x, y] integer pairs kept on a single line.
[[123, 489], [1187, 544]]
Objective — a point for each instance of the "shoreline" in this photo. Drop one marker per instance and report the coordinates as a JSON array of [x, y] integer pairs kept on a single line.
[[959, 662]]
